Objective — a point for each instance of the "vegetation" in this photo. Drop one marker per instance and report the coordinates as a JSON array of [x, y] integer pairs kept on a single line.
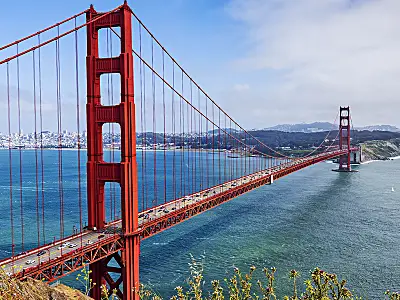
[[241, 286], [320, 286], [381, 150], [13, 289]]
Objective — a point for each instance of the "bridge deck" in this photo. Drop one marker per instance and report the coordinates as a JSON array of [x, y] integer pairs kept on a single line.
[[90, 246]]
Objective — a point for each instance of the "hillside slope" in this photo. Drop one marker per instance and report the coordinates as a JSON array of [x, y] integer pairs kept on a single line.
[[380, 150], [37, 290]]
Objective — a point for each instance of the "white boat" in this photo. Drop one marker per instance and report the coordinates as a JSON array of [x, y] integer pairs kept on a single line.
[[392, 189]]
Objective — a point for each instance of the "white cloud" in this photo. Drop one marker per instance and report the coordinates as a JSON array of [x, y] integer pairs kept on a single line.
[[322, 54], [241, 87]]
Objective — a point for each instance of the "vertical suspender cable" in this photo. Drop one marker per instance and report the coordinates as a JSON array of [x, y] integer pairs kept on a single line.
[[245, 152], [232, 149], [58, 135], [142, 117], [182, 121], [41, 140], [165, 138], [194, 155], [78, 130], [10, 160], [213, 145], [153, 83], [225, 151], [189, 136], [173, 131], [59, 115], [182, 138], [20, 155], [36, 151], [206, 152], [219, 146], [146, 194], [199, 147]]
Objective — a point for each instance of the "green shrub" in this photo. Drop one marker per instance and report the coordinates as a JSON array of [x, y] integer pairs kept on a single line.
[[320, 286]]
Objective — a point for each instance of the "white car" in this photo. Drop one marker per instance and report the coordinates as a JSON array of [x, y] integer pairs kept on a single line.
[[30, 261], [9, 274], [63, 246], [89, 242], [71, 245]]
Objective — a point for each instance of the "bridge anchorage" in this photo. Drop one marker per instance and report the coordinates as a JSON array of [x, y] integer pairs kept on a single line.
[[210, 160]]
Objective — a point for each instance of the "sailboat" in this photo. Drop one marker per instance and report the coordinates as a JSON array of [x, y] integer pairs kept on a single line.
[[392, 189]]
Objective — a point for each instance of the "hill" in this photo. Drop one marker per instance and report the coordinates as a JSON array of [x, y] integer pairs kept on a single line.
[[326, 126]]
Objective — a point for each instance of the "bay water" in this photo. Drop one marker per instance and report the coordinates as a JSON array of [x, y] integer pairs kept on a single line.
[[345, 223]]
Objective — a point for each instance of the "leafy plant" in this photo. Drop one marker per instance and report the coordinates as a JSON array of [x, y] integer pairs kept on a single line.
[[84, 278], [321, 286]]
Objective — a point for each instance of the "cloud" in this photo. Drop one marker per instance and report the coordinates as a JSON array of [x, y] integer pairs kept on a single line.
[[322, 54], [241, 87]]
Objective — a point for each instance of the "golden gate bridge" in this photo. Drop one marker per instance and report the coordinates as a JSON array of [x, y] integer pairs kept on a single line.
[[133, 84]]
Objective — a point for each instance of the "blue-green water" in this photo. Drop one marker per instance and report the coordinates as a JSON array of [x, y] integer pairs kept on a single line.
[[345, 223]]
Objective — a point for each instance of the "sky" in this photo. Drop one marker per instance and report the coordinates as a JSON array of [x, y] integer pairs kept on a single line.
[[266, 62]]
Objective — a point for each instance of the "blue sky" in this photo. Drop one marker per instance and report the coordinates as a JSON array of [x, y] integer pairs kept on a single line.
[[265, 61]]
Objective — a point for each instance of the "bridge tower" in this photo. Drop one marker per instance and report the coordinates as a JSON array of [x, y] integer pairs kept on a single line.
[[123, 172], [344, 139]]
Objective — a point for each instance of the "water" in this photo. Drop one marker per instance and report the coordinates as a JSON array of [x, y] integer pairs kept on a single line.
[[346, 223]]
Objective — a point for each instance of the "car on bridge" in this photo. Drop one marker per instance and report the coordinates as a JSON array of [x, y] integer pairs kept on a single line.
[[63, 245], [40, 253]]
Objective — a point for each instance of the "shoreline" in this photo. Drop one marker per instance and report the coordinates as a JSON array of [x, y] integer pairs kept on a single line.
[[109, 149], [377, 160]]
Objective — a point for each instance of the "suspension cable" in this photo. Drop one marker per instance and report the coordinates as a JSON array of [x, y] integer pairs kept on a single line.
[[43, 30], [59, 36]]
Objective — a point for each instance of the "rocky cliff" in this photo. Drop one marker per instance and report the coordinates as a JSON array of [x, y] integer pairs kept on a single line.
[[36, 290], [380, 150]]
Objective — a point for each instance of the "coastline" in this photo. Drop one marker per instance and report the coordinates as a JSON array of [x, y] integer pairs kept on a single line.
[[376, 160], [110, 149]]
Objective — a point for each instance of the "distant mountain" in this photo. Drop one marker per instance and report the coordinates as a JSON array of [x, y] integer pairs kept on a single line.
[[326, 126], [380, 128], [305, 128], [228, 130]]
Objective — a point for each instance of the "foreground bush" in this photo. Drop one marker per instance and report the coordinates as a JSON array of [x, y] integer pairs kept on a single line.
[[241, 286], [321, 286]]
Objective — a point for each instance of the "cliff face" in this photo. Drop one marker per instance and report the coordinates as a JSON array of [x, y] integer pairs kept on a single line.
[[37, 290], [380, 150]]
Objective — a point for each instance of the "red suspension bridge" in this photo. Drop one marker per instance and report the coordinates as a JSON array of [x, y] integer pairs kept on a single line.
[[172, 151]]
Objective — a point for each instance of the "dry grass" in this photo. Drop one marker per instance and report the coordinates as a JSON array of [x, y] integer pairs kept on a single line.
[[13, 289]]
